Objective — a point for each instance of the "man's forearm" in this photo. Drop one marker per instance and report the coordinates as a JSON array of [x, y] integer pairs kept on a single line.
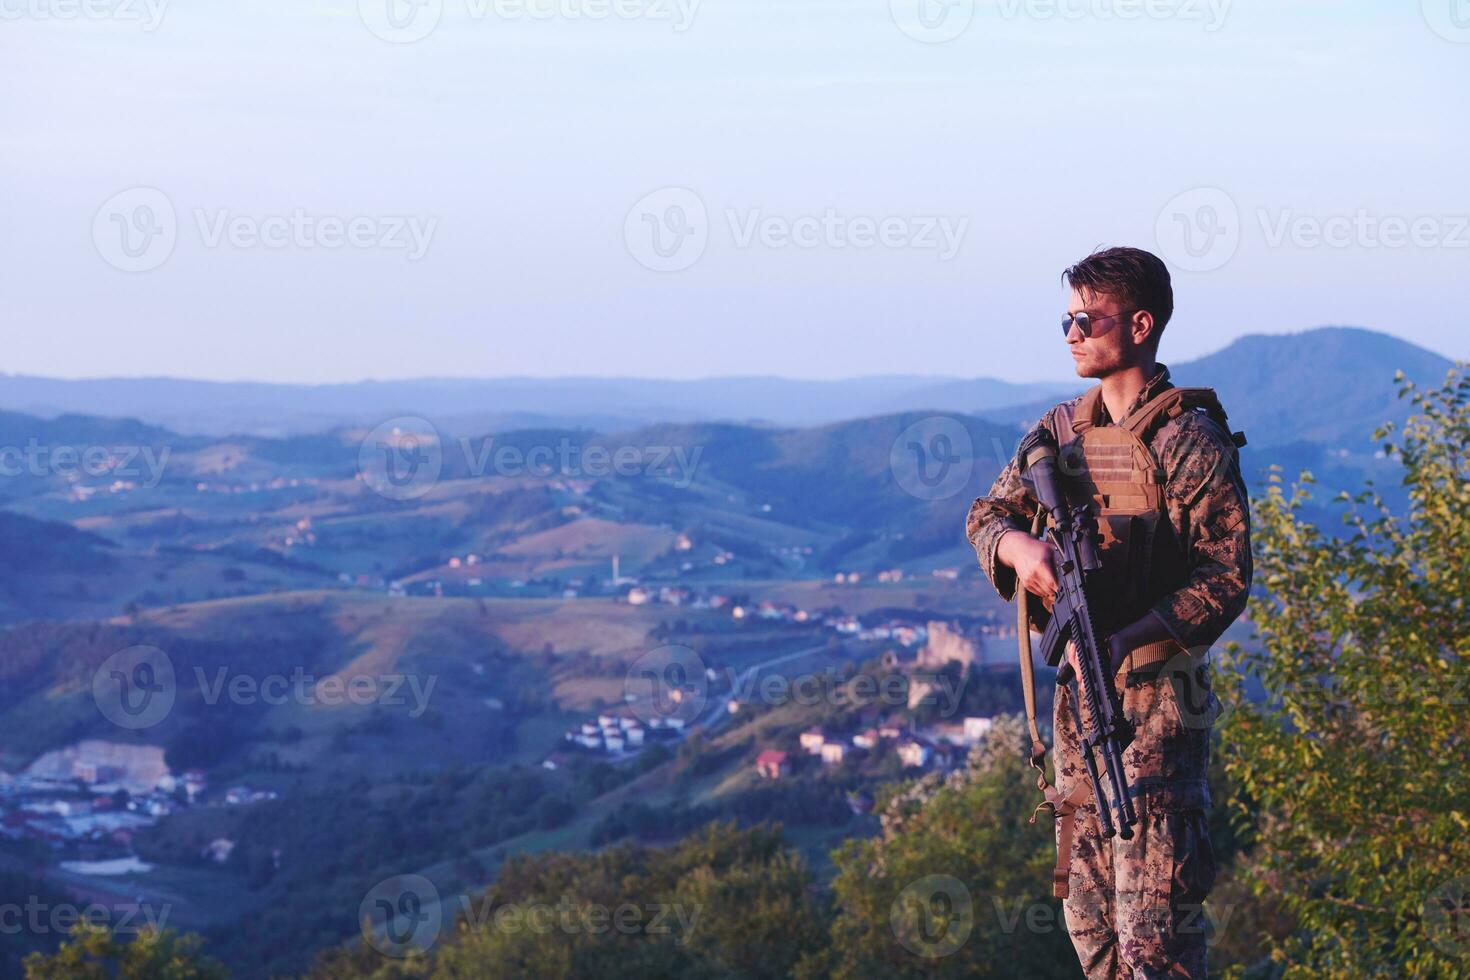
[[1147, 629], [1003, 555], [990, 521]]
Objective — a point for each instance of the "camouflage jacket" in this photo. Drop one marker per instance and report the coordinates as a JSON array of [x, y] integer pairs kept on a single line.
[[1206, 501]]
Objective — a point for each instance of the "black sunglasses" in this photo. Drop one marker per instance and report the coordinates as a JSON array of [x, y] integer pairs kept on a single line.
[[1085, 321]]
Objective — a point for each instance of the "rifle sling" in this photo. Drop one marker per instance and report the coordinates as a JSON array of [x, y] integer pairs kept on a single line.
[[1064, 806], [1028, 671]]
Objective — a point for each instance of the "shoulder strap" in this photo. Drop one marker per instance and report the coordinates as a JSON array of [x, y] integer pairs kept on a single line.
[[1089, 410], [1174, 402]]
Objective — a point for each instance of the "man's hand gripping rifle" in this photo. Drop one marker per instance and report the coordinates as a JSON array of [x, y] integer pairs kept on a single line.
[[1073, 531]]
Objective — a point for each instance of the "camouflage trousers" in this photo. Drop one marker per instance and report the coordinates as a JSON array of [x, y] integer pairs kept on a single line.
[[1135, 908]]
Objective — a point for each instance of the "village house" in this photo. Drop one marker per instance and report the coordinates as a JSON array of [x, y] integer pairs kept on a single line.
[[812, 741], [773, 764], [218, 850], [977, 728], [833, 753], [914, 753]]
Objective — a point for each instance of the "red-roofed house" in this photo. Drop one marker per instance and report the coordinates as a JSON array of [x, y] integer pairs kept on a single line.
[[773, 764]]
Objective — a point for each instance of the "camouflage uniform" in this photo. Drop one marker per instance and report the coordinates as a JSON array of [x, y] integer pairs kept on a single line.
[[1134, 908]]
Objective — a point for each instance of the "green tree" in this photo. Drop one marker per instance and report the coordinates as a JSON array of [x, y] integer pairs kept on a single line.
[[95, 953], [958, 883], [1354, 768], [360, 961], [723, 903]]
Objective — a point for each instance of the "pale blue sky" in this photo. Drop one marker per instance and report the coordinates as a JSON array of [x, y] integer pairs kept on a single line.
[[518, 147]]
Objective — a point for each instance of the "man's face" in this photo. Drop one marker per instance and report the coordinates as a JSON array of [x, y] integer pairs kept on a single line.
[[1111, 348]]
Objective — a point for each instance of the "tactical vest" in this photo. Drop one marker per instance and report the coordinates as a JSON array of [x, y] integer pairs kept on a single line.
[[1113, 470]]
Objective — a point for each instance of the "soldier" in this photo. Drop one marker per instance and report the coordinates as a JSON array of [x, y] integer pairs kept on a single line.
[[1160, 469]]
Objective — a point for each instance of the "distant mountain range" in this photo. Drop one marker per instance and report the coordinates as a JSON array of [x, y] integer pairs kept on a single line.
[[1324, 385], [854, 490], [1331, 386], [460, 406]]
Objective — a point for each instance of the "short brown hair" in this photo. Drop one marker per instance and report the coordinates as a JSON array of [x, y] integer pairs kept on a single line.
[[1137, 279]]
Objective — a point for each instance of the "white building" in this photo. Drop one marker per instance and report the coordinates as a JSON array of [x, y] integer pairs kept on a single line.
[[914, 754], [977, 728]]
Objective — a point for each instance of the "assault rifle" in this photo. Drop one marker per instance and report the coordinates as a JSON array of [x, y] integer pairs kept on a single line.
[[1073, 531]]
